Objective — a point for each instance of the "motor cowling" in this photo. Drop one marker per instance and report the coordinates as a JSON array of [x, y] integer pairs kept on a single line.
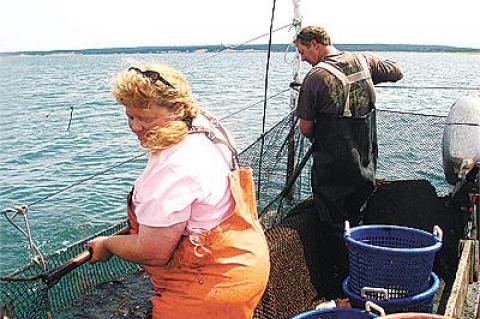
[[461, 138]]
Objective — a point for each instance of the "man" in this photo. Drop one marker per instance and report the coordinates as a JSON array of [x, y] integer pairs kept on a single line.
[[336, 110]]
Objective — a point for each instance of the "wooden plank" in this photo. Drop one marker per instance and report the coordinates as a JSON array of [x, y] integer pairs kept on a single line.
[[462, 278], [476, 261]]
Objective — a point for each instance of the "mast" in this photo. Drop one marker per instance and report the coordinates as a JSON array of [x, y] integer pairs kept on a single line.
[[297, 23]]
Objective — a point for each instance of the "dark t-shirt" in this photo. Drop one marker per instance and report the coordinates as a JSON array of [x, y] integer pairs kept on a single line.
[[322, 92]]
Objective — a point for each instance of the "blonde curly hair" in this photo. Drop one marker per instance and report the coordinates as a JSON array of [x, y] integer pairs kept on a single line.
[[133, 88]]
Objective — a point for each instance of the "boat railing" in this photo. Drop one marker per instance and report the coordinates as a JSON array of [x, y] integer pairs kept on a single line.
[[409, 148]]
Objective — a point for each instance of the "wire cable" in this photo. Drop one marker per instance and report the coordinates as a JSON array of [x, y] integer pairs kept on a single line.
[[86, 179], [264, 119], [139, 155], [234, 47], [35, 252], [458, 88], [251, 105]]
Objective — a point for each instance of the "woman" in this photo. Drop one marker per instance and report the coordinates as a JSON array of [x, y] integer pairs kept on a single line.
[[192, 212]]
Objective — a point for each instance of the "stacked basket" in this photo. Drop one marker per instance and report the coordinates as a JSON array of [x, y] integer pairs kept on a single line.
[[371, 311], [415, 316], [336, 313], [392, 266]]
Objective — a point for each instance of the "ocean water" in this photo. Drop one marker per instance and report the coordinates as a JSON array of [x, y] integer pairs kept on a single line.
[[42, 153]]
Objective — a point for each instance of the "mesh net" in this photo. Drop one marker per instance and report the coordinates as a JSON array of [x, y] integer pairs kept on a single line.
[[34, 299], [409, 148], [271, 169]]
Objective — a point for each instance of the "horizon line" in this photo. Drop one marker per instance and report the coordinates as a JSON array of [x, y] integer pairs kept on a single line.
[[439, 47]]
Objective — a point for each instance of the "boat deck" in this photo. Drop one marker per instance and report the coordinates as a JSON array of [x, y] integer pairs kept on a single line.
[[297, 282]]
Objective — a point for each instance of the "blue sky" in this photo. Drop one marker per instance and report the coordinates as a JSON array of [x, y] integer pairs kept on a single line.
[[64, 24]]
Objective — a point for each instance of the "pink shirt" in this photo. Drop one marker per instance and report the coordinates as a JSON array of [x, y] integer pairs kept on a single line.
[[186, 182]]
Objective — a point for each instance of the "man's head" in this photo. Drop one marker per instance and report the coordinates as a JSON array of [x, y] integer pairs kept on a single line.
[[312, 43]]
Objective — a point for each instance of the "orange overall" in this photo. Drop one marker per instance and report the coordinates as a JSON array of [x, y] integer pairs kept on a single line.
[[218, 274]]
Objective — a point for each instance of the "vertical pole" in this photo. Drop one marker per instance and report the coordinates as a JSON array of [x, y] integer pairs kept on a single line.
[[297, 22]]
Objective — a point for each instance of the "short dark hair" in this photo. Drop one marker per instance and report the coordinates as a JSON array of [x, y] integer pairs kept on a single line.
[[309, 33]]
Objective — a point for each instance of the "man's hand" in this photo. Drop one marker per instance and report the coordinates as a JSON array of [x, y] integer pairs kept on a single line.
[[306, 127]]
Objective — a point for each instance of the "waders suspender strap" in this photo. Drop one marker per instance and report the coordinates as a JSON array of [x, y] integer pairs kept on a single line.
[[212, 137], [348, 80]]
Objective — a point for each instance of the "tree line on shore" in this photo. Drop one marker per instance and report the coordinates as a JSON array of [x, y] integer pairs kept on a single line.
[[248, 47]]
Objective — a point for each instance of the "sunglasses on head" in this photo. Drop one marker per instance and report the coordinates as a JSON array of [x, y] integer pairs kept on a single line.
[[153, 76]]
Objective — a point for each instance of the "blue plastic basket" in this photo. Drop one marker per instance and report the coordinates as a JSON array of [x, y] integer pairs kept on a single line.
[[336, 313], [392, 257], [422, 302]]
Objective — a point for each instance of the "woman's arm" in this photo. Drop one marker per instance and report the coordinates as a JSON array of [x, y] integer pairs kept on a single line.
[[151, 246]]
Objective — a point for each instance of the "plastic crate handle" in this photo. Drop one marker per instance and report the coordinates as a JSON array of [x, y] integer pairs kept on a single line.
[[438, 232], [369, 306], [326, 304], [380, 291], [347, 228]]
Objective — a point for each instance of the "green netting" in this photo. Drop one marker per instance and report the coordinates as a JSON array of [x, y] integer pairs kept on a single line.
[[272, 167], [33, 299], [409, 148]]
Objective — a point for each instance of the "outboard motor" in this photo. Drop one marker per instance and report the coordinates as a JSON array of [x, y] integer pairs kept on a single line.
[[461, 138], [461, 161]]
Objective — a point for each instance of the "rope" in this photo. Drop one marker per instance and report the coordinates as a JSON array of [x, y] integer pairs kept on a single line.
[[71, 117], [294, 24], [412, 113], [463, 124], [234, 47], [251, 105], [285, 55], [86, 179], [264, 134], [23, 209], [289, 25], [291, 132], [136, 156], [37, 255], [264, 119], [458, 88]]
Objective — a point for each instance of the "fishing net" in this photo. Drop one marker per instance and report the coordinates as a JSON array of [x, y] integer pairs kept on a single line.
[[35, 299], [409, 148], [296, 275], [272, 168]]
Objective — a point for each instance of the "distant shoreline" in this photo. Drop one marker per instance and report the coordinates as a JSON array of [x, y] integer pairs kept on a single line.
[[245, 48]]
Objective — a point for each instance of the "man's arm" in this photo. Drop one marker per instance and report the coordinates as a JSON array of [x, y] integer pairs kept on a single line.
[[383, 70], [307, 102]]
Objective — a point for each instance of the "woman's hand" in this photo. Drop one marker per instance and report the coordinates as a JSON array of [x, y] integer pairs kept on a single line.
[[98, 249]]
